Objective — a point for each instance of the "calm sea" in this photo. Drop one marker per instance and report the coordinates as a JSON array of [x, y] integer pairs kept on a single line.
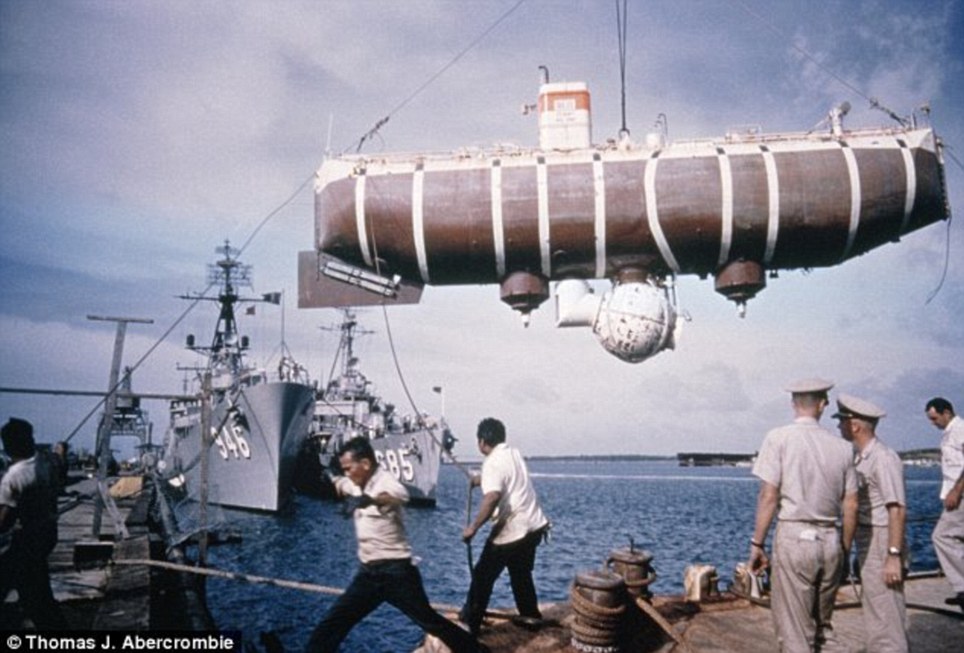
[[681, 515]]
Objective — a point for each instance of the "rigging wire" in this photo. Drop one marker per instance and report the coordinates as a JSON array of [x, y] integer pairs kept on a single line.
[[270, 215], [411, 96], [139, 362], [874, 103], [185, 313], [373, 132], [622, 17], [809, 57], [947, 237], [401, 377], [398, 368]]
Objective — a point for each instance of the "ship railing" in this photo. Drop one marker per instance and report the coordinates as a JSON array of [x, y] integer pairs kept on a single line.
[[738, 134]]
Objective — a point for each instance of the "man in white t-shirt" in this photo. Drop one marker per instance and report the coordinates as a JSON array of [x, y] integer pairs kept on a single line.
[[374, 498], [948, 536], [28, 528], [519, 525]]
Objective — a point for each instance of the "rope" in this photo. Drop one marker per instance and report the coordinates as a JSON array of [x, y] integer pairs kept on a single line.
[[233, 575], [264, 221], [183, 315], [654, 614], [947, 237], [275, 582], [594, 625], [468, 520], [584, 606], [139, 362]]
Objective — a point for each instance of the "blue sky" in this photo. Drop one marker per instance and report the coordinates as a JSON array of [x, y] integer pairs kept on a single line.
[[138, 136]]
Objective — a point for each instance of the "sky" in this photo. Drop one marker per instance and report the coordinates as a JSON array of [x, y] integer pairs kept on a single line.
[[136, 137]]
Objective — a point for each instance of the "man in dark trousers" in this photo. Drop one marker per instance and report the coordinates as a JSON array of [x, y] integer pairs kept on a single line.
[[375, 499], [948, 536], [519, 526], [28, 527]]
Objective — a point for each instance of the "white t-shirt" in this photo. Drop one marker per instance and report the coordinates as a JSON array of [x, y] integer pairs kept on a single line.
[[952, 454], [379, 529], [518, 512]]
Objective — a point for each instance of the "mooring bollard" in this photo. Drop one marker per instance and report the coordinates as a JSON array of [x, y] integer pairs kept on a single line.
[[598, 600], [634, 567]]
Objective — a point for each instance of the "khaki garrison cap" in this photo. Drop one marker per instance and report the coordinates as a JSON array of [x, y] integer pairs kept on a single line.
[[809, 386], [851, 406]]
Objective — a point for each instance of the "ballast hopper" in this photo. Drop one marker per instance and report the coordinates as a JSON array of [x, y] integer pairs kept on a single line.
[[637, 214]]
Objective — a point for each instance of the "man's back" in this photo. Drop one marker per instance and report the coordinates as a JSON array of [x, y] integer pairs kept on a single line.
[[812, 468], [504, 471]]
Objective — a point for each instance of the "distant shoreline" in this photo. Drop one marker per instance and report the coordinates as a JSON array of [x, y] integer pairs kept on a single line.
[[924, 455], [602, 457]]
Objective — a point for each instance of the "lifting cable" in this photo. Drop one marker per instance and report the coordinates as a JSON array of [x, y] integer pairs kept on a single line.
[[185, 313], [621, 22], [374, 130]]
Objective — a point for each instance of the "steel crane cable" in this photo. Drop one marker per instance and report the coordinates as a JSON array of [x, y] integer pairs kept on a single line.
[[411, 96], [622, 17]]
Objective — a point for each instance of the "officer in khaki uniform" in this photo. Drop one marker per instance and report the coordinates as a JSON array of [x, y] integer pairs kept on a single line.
[[808, 483], [881, 514]]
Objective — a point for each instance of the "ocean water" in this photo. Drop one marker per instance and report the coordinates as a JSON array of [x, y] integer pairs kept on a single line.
[[680, 515]]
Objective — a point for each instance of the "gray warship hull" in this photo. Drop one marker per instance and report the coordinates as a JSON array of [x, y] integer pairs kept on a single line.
[[252, 457], [413, 458], [410, 447]]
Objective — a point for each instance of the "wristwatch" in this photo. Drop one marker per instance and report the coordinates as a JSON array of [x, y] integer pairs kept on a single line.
[[893, 551]]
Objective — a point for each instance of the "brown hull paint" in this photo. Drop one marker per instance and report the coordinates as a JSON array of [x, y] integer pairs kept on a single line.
[[783, 201]]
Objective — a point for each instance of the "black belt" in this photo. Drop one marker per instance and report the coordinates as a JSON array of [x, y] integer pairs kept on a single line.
[[384, 562]]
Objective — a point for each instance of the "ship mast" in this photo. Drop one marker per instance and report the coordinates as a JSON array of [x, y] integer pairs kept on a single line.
[[226, 352], [351, 380], [226, 346]]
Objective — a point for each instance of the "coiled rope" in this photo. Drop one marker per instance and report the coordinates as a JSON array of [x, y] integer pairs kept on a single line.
[[596, 627]]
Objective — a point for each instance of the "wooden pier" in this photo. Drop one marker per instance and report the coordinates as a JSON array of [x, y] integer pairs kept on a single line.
[[729, 623], [96, 593]]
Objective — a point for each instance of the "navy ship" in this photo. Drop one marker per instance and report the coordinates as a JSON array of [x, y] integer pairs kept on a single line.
[[410, 447], [257, 425]]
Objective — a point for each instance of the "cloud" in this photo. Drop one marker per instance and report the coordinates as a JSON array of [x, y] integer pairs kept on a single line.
[[137, 137]]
